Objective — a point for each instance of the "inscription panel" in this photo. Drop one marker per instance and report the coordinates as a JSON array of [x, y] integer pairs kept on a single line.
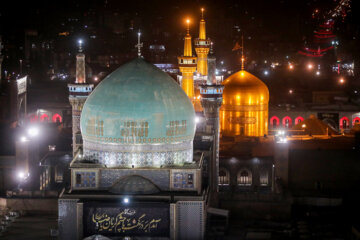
[[131, 219]]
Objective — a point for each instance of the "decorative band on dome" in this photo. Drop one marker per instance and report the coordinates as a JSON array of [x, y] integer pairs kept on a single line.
[[150, 155]]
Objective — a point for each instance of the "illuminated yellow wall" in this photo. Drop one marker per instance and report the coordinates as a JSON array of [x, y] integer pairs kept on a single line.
[[245, 107]]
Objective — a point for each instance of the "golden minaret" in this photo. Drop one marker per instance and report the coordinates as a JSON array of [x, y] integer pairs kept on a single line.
[[202, 47], [187, 65]]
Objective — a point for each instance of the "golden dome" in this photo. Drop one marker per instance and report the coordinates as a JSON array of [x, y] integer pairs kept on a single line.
[[244, 88], [245, 106]]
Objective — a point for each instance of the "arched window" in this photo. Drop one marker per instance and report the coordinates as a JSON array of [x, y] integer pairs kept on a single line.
[[287, 122], [299, 120], [274, 121], [224, 177], [344, 123], [56, 118], [244, 178], [44, 118], [356, 120], [264, 177]]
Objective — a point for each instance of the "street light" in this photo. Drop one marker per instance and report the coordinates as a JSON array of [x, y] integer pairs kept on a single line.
[[23, 139], [33, 131], [22, 175]]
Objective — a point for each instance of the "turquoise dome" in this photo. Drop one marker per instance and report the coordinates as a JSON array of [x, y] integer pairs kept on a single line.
[[137, 109]]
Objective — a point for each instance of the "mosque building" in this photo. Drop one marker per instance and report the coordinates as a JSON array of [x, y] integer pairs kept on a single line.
[[154, 159], [136, 173]]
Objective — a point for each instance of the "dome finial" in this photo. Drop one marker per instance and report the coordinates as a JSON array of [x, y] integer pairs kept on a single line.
[[139, 45], [202, 13], [242, 53]]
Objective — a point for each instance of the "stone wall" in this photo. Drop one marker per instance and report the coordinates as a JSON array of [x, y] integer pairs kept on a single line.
[[30, 205]]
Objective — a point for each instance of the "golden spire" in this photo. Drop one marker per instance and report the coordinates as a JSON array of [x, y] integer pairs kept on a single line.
[[187, 43], [242, 53], [202, 31]]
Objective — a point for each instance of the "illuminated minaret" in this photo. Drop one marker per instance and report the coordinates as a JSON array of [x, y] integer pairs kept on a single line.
[[187, 65], [202, 47], [78, 93]]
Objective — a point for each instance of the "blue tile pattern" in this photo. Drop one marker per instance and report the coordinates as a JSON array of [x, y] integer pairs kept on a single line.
[[88, 180]]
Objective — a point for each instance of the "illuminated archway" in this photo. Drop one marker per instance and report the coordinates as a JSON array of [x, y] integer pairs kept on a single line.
[[298, 120], [287, 122], [274, 121], [44, 118], [57, 118], [244, 177], [356, 120], [344, 123], [224, 177]]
